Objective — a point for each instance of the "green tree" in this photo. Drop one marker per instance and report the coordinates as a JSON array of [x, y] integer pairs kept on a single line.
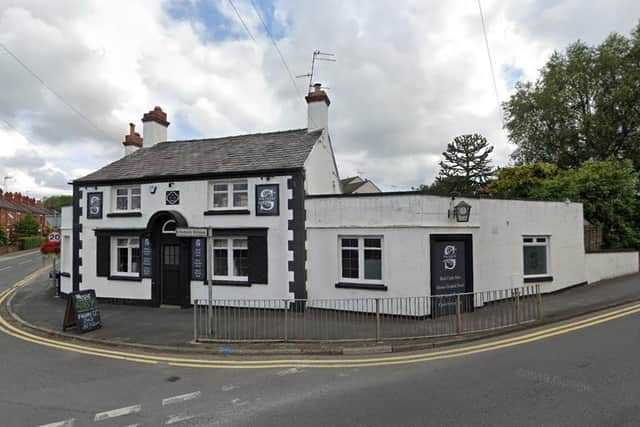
[[27, 225], [57, 202], [3, 236], [466, 166], [607, 189], [584, 106]]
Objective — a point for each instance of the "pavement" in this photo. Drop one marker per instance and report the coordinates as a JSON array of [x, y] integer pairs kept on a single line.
[[583, 373], [171, 329]]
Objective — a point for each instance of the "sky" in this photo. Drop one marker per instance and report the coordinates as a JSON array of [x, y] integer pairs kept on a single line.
[[409, 76]]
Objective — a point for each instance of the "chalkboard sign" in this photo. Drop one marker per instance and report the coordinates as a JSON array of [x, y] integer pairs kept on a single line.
[[267, 199], [94, 205], [199, 259], [82, 311], [449, 270], [147, 257]]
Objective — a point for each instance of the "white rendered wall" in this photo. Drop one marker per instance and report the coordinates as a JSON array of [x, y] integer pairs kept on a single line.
[[66, 249], [606, 265], [321, 173], [152, 133], [406, 221], [194, 201]]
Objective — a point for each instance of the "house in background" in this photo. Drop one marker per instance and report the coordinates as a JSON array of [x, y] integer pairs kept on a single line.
[[358, 185], [14, 205], [283, 226]]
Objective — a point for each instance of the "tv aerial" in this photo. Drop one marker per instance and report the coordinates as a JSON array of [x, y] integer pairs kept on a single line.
[[317, 56]]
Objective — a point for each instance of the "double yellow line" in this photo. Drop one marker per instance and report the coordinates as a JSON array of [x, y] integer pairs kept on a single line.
[[308, 363]]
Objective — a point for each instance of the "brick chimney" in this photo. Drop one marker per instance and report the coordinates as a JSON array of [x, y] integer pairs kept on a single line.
[[154, 126], [317, 109], [133, 141]]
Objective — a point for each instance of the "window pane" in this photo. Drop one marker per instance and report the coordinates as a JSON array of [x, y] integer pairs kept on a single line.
[[372, 243], [528, 239], [240, 262], [350, 263], [123, 260], [122, 191], [535, 260], [240, 186], [220, 188], [220, 200], [240, 200], [220, 266], [135, 202], [220, 243], [122, 242], [135, 260], [134, 242], [349, 243], [135, 191], [541, 239], [373, 264], [240, 243], [121, 203]]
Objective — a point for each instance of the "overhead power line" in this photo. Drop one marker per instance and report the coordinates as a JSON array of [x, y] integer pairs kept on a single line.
[[55, 93], [493, 74], [246, 28]]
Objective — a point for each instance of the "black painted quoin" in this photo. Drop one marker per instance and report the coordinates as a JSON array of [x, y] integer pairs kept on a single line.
[[451, 272]]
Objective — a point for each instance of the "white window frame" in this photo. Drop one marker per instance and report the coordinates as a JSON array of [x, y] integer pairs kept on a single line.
[[114, 256], [230, 192], [535, 242], [129, 197], [230, 275], [361, 249]]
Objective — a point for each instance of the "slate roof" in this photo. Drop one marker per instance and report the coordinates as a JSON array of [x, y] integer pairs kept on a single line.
[[234, 154]]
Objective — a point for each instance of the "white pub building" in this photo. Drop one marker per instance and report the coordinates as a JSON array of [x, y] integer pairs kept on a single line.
[[282, 227]]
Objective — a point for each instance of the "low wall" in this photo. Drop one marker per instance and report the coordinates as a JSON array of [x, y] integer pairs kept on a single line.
[[606, 265]]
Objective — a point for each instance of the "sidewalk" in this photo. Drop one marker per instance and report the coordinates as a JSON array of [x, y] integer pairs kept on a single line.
[[173, 327]]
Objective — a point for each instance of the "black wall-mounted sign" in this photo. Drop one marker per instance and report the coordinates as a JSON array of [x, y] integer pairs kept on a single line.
[[267, 199], [451, 273], [199, 259], [82, 311], [147, 257], [94, 205], [172, 197]]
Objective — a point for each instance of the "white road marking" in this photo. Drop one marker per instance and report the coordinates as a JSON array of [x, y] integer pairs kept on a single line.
[[25, 261], [132, 425], [117, 412], [9, 258], [289, 371], [239, 402], [5, 268], [65, 423], [180, 398], [178, 418], [227, 387]]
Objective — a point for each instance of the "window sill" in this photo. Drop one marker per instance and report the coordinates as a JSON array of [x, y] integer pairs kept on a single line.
[[368, 286], [229, 283], [126, 278], [227, 212], [537, 279], [124, 214]]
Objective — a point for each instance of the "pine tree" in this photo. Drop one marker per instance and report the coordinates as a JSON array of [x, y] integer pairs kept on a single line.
[[466, 166]]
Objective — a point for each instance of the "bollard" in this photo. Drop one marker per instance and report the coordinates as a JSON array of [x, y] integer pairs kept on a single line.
[[378, 319], [458, 315]]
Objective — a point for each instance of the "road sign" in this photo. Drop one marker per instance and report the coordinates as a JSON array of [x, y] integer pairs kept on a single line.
[[192, 232], [54, 237]]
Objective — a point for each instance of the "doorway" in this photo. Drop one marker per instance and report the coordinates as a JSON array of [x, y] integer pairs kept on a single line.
[[171, 274]]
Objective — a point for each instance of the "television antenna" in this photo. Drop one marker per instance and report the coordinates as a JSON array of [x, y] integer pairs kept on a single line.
[[4, 183], [317, 56]]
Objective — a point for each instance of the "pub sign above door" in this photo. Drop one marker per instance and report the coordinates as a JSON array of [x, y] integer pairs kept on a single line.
[[267, 199]]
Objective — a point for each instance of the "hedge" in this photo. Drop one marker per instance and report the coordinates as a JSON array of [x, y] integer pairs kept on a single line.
[[31, 242]]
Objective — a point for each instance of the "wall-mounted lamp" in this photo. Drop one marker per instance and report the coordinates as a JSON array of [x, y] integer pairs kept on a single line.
[[170, 184], [461, 212]]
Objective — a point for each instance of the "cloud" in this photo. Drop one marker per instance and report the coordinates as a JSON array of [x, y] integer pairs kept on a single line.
[[408, 78]]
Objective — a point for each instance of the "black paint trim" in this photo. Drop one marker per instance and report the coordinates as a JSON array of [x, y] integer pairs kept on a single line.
[[227, 212], [65, 274], [229, 283], [76, 238], [126, 278], [538, 279], [118, 231], [297, 225], [368, 286], [124, 214], [191, 177], [125, 301], [226, 232]]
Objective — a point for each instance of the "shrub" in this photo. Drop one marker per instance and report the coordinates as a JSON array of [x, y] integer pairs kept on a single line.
[[31, 242]]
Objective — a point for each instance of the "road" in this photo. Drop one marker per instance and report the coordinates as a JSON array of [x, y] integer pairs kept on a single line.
[[590, 377]]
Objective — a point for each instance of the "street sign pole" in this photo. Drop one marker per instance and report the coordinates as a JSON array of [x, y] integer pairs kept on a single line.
[[210, 279]]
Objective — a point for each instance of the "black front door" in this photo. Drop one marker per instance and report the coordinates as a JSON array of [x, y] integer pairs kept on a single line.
[[170, 275]]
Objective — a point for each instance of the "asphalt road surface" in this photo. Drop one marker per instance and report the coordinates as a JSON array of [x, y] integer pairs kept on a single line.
[[590, 377]]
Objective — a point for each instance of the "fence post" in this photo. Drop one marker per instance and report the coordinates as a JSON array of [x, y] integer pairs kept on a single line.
[[195, 321], [458, 315], [539, 301], [517, 292], [286, 315], [378, 319]]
